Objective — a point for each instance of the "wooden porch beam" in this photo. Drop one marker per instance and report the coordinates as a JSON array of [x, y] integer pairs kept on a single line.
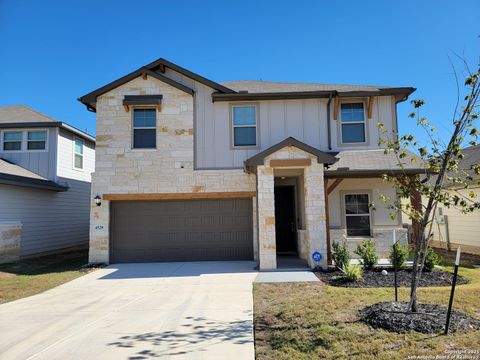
[[370, 106], [336, 106], [126, 107], [181, 196], [327, 224], [333, 186]]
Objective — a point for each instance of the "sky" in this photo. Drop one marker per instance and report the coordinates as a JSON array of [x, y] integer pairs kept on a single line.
[[53, 52]]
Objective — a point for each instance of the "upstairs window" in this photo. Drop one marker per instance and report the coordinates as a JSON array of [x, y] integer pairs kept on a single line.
[[357, 215], [353, 123], [78, 154], [144, 128], [12, 140], [36, 140], [244, 125]]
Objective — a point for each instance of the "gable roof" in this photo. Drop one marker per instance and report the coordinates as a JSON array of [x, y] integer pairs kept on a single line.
[[259, 158], [89, 100], [21, 116], [12, 174]]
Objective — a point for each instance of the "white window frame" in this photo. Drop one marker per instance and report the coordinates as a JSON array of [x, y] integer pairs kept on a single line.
[[26, 140], [75, 138], [233, 126], [24, 145], [132, 110], [3, 140], [370, 217], [364, 122]]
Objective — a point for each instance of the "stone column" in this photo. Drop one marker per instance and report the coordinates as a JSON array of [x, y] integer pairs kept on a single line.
[[266, 218], [315, 217]]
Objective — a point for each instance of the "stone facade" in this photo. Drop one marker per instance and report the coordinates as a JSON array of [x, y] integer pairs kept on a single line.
[[167, 169], [313, 237], [382, 237], [10, 241]]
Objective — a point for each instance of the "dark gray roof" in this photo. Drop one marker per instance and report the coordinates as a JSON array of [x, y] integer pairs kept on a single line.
[[21, 116], [12, 174], [322, 157], [365, 163]]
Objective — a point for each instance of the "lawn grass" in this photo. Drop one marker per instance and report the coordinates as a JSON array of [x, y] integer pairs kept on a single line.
[[32, 276], [317, 321]]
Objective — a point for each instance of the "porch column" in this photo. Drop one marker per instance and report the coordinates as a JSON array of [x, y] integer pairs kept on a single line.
[[266, 218], [315, 215]]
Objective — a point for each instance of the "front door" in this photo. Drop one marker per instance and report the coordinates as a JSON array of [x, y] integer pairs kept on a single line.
[[285, 223]]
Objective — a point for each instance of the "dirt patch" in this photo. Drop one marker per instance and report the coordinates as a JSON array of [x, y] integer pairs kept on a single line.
[[375, 279], [430, 318], [6, 275]]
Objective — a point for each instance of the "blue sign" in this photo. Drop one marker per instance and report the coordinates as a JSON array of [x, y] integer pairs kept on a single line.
[[316, 256]]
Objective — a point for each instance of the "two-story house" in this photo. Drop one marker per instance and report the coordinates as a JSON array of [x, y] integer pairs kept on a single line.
[[188, 169], [45, 179]]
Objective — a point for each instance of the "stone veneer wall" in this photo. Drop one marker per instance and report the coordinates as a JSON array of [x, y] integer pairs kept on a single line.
[[10, 241], [382, 237], [313, 237], [167, 169]]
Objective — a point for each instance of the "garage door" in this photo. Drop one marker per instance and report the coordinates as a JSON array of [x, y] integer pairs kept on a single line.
[[181, 230]]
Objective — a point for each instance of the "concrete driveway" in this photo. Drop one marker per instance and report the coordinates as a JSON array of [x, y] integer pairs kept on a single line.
[[137, 311]]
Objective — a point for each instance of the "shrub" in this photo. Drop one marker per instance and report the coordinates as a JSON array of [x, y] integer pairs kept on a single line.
[[402, 253], [431, 260], [340, 254], [352, 272], [368, 253]]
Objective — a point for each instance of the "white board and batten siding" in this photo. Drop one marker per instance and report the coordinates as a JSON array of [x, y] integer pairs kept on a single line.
[[41, 162], [305, 120]]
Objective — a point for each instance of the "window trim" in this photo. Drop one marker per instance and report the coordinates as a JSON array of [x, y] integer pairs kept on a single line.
[[27, 141], [132, 116], [340, 128], [232, 128], [24, 141], [343, 194], [75, 138]]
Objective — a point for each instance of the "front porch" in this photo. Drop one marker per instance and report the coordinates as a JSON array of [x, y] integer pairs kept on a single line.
[[302, 207]]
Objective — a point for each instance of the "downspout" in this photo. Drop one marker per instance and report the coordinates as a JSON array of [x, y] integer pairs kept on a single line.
[[328, 122]]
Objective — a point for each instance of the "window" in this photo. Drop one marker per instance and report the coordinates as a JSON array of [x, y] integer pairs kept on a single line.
[[144, 128], [353, 123], [78, 154], [244, 125], [357, 214], [12, 140], [36, 140]]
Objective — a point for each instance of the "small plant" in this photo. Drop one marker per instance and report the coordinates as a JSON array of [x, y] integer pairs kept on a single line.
[[340, 255], [402, 253], [431, 260], [368, 253], [352, 272]]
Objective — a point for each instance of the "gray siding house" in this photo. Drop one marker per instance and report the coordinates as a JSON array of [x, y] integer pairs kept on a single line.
[[45, 178], [190, 169]]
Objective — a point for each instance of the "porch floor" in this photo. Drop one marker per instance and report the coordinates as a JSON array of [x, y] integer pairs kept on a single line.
[[291, 262]]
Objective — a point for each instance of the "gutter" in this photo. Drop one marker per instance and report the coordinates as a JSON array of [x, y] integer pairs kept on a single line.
[[328, 123]]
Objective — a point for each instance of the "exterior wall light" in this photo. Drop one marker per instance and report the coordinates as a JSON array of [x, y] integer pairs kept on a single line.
[[98, 200]]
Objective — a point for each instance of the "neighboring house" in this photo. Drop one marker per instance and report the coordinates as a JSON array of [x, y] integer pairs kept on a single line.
[[45, 176], [452, 228], [189, 169]]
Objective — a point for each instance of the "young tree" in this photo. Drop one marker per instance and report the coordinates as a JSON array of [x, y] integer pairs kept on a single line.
[[442, 171]]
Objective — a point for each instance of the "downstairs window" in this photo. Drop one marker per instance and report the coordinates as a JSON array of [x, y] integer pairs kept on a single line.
[[357, 215]]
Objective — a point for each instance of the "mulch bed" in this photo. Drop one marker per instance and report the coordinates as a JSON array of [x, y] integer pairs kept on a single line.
[[429, 319], [375, 279]]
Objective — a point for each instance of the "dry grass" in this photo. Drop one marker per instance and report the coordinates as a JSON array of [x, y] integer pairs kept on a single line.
[[32, 276], [316, 321]]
